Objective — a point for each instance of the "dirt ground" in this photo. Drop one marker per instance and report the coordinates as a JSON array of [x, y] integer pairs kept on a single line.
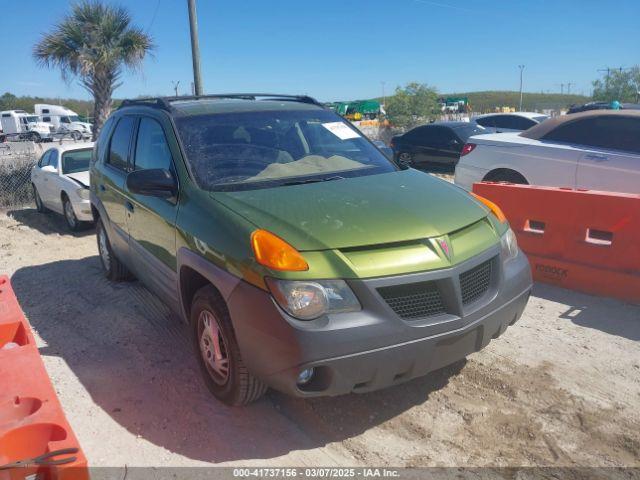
[[559, 388]]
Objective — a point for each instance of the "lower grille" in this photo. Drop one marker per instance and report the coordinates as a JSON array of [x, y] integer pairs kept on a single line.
[[475, 283], [414, 300]]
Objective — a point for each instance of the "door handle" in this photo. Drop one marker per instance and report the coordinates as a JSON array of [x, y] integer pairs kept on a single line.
[[129, 206], [596, 157], [101, 187]]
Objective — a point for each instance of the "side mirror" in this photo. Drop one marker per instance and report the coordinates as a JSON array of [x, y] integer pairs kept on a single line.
[[49, 169], [154, 182]]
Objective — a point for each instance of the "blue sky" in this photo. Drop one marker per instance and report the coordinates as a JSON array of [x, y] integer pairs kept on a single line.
[[335, 49]]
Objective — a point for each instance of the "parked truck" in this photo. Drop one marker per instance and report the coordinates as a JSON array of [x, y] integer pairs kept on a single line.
[[63, 120], [23, 126]]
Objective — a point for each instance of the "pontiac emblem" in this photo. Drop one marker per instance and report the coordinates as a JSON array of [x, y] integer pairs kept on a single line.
[[444, 245]]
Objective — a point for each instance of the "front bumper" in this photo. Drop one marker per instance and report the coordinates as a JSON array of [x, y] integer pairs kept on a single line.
[[82, 209], [374, 348]]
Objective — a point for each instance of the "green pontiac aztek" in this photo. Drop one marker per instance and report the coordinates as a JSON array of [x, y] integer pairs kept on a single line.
[[301, 257]]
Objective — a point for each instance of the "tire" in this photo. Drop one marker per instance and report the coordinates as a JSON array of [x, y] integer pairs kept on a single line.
[[40, 208], [69, 215], [34, 137], [226, 377], [76, 135], [510, 176], [113, 268], [405, 158]]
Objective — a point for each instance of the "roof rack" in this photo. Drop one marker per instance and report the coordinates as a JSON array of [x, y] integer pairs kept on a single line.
[[164, 103]]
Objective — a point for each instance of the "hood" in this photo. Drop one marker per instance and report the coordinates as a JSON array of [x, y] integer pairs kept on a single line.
[[369, 210], [82, 177]]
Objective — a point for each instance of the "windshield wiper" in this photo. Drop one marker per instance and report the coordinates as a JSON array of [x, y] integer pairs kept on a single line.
[[313, 180]]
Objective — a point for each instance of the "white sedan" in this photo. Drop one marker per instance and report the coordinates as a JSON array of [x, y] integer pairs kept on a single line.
[[60, 183], [596, 150]]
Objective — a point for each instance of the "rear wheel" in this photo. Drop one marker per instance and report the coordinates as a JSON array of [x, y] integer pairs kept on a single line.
[[114, 269], [505, 175], [224, 371]]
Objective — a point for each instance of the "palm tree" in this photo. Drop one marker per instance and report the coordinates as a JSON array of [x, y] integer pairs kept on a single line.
[[95, 43]]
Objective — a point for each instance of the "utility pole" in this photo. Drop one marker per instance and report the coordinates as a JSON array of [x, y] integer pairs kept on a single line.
[[384, 98], [569, 88], [195, 46], [175, 86], [521, 67]]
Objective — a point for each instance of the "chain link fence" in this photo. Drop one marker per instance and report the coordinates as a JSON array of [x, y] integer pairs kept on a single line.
[[16, 160]]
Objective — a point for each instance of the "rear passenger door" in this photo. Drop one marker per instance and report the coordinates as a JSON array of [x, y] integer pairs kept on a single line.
[[151, 220], [111, 184], [611, 160]]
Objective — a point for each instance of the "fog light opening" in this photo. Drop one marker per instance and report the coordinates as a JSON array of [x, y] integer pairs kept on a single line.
[[305, 376]]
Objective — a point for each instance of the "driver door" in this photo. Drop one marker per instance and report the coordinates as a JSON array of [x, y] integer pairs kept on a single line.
[[152, 220]]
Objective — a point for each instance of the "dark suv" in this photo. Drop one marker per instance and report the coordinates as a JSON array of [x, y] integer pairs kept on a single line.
[[302, 258]]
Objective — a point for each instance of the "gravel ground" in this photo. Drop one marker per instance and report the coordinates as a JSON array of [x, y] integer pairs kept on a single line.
[[559, 388]]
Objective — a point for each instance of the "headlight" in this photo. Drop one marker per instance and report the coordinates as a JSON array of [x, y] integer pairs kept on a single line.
[[307, 300], [509, 245], [83, 193]]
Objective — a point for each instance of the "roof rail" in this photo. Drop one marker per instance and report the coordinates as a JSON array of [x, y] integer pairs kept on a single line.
[[164, 103]]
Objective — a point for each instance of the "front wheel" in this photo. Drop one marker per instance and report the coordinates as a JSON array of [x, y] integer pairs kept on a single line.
[[39, 205], [76, 135], [34, 137], [223, 369], [70, 215], [405, 158]]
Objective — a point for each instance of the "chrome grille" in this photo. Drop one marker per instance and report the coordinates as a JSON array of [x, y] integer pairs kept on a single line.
[[414, 300], [475, 283]]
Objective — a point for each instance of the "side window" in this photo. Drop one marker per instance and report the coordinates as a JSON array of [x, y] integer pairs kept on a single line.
[[616, 133], [503, 121], [485, 122], [519, 123], [53, 158], [445, 137], [120, 140], [44, 159], [65, 120], [46, 119], [45, 110], [578, 132], [152, 150], [422, 135]]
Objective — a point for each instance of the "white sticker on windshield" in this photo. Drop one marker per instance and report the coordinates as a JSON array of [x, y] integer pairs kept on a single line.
[[341, 130]]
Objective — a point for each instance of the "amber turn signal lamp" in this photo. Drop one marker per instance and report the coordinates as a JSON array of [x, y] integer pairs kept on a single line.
[[273, 252], [491, 206]]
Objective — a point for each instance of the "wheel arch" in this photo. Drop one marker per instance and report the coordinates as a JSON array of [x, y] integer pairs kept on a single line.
[[194, 272], [494, 173]]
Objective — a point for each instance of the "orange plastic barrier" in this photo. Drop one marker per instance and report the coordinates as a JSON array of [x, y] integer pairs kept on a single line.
[[579, 239], [36, 440]]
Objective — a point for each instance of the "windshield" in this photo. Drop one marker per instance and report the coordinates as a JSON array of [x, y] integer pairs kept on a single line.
[[76, 161], [541, 118], [74, 118], [32, 119], [248, 150]]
